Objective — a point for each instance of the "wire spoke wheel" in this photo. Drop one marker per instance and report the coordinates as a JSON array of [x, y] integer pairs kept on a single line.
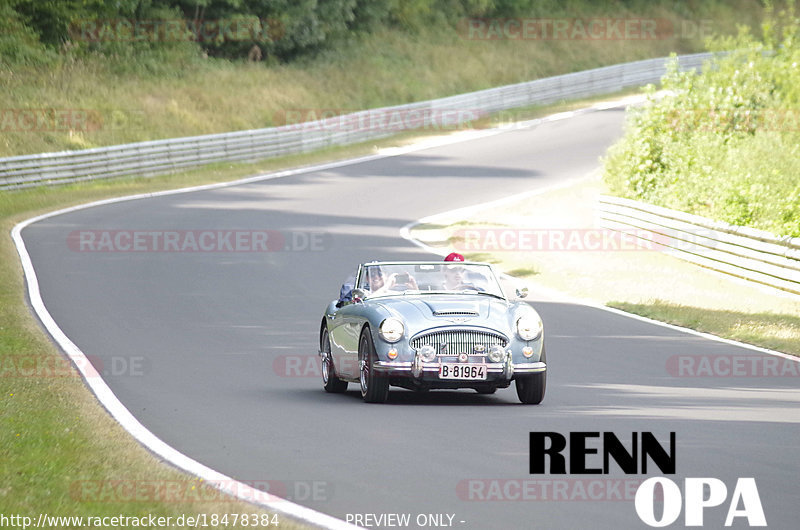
[[330, 381], [374, 387]]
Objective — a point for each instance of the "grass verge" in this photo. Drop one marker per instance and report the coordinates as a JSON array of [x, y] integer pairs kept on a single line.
[[641, 281]]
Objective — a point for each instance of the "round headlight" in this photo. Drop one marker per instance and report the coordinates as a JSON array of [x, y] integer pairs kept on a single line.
[[427, 353], [529, 327], [496, 353], [392, 329]]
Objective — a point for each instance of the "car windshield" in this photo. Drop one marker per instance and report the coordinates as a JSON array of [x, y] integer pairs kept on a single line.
[[392, 279]]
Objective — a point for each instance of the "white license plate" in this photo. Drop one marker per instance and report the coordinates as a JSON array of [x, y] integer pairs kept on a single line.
[[463, 371]]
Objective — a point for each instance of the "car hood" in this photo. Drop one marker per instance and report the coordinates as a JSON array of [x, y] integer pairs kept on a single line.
[[420, 312]]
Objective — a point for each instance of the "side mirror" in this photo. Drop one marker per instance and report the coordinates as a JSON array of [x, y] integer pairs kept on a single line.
[[359, 295], [522, 293]]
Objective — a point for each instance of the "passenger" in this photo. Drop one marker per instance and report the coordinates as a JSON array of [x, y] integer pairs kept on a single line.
[[380, 284], [346, 292]]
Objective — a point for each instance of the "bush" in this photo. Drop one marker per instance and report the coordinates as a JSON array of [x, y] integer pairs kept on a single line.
[[724, 143], [19, 44]]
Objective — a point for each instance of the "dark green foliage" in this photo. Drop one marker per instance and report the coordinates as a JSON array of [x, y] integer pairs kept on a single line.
[[725, 143], [18, 43], [282, 30]]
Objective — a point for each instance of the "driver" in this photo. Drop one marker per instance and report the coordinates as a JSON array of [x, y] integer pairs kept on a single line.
[[454, 278], [455, 275]]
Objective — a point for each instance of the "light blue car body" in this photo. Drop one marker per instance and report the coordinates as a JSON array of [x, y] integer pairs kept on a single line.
[[462, 327]]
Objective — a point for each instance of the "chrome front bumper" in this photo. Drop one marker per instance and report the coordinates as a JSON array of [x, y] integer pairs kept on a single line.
[[419, 369]]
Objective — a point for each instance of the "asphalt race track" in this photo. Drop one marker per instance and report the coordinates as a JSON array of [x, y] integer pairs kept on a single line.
[[209, 350]]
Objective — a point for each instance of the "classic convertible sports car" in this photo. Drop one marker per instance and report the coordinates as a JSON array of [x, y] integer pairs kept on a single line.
[[431, 325]]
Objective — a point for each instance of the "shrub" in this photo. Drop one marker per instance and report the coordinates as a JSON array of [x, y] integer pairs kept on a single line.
[[725, 142]]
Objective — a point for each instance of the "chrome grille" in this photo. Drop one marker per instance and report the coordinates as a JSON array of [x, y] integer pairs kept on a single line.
[[458, 341], [455, 313]]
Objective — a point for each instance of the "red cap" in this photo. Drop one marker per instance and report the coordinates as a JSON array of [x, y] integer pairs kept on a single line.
[[454, 256]]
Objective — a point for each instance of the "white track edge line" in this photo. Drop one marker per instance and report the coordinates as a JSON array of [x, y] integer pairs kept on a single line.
[[115, 407], [128, 422], [124, 417]]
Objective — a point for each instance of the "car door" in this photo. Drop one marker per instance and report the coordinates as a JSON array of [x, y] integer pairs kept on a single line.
[[344, 330]]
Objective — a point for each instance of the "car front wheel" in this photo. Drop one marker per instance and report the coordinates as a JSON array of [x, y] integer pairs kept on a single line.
[[374, 387], [530, 388], [332, 383]]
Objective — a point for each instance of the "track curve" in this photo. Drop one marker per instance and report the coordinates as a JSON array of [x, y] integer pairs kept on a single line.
[[214, 336]]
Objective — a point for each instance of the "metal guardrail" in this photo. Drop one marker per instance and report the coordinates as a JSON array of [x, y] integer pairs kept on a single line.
[[737, 250], [163, 156]]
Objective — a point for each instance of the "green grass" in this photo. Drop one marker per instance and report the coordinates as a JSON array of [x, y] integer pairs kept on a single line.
[[523, 272], [776, 331]]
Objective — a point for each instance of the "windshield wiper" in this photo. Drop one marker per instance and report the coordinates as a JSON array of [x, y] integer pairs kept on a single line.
[[486, 293]]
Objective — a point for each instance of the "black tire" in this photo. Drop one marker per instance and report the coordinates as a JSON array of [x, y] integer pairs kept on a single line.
[[331, 382], [531, 388], [374, 387]]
